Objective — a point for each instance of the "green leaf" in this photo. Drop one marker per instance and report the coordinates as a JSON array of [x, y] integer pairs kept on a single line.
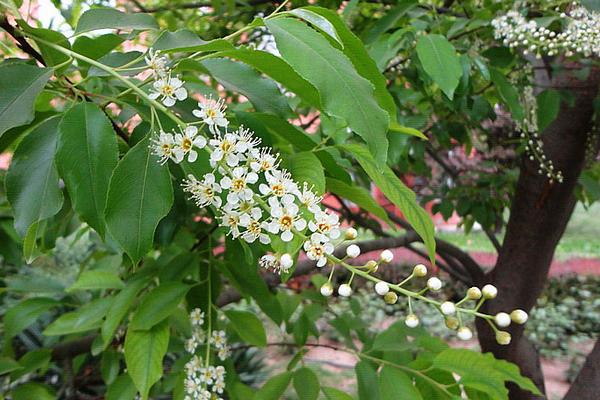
[[389, 20], [248, 327], [278, 70], [440, 61], [483, 372], [158, 305], [188, 41], [344, 93], [86, 156], [306, 167], [140, 194], [8, 365], [32, 180], [355, 50], [366, 378], [121, 389], [94, 280], [85, 318], [240, 78], [397, 192], [51, 56], [26, 313], [396, 127], [110, 365], [144, 352], [548, 105], [508, 94], [393, 382], [109, 18], [306, 384], [274, 388], [96, 47], [316, 20], [119, 308], [335, 394], [20, 85], [360, 196], [32, 390]]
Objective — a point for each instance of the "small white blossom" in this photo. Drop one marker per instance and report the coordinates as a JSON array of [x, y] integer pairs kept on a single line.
[[169, 90], [203, 192], [264, 161], [185, 141], [326, 223], [231, 220], [212, 113], [197, 317], [163, 147], [224, 149], [238, 184], [317, 248], [279, 183], [285, 217], [157, 63], [255, 228]]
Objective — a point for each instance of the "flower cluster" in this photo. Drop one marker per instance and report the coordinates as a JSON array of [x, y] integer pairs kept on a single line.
[[529, 134], [581, 34], [204, 381], [166, 87]]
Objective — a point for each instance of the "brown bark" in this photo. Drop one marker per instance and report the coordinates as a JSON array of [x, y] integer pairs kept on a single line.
[[539, 215], [585, 386]]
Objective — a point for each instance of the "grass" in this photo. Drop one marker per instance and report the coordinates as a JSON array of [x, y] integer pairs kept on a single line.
[[581, 238]]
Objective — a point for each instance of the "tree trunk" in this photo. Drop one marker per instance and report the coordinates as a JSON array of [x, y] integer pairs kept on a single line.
[[539, 215], [585, 386]]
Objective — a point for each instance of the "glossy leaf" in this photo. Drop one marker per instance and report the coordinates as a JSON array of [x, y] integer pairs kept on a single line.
[[508, 93], [121, 389], [306, 167], [344, 93], [144, 352], [119, 308], [86, 156], [366, 377], [20, 85], [186, 40], [26, 313], [32, 182], [274, 388], [248, 327], [140, 194], [85, 318], [110, 18], [158, 304], [94, 280], [306, 384], [440, 61], [394, 383]]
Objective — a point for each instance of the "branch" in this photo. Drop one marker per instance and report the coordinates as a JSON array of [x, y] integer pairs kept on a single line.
[[585, 385]]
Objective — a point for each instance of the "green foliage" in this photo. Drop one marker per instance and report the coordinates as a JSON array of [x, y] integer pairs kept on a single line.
[[440, 61]]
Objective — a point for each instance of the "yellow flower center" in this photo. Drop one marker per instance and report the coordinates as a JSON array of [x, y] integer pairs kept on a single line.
[[211, 113], [168, 90], [166, 148], [226, 146], [186, 144], [278, 189], [324, 227], [286, 222], [254, 227], [238, 184]]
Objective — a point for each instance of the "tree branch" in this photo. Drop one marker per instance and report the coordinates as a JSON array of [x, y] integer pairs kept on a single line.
[[585, 385]]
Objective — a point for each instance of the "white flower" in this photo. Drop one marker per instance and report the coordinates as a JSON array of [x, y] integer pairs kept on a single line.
[[420, 270], [224, 149], [285, 217], [434, 284], [382, 288], [279, 183], [246, 141], [157, 63], [218, 387], [207, 375], [169, 90], [317, 248], [353, 251], [264, 161], [286, 261], [350, 234], [231, 220], [309, 199], [212, 113], [203, 192], [502, 319], [190, 345], [193, 366], [412, 321], [489, 291], [473, 293], [238, 184], [185, 143], [224, 353], [326, 289], [325, 223], [197, 317], [218, 339], [192, 386], [448, 308], [163, 147], [464, 333], [277, 264], [345, 290], [254, 227], [386, 256], [519, 316]]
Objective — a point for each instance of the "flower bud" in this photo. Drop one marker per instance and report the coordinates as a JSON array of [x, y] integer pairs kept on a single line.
[[345, 290], [519, 316], [420, 270], [390, 298], [503, 337], [452, 323], [489, 291], [448, 308], [286, 261], [464, 333], [353, 251], [474, 293], [386, 256], [350, 234], [434, 284], [372, 265], [502, 320], [327, 289], [382, 288], [412, 321]]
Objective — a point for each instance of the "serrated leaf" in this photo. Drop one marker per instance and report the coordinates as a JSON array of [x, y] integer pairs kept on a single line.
[[26, 313], [318, 21], [95, 280], [440, 61], [85, 318], [119, 308], [110, 18], [394, 383], [366, 378], [274, 388], [20, 85], [397, 192], [140, 194], [389, 20], [306, 167], [188, 41], [247, 325], [121, 389], [306, 384], [32, 179], [144, 352], [344, 93], [86, 157], [158, 304]]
